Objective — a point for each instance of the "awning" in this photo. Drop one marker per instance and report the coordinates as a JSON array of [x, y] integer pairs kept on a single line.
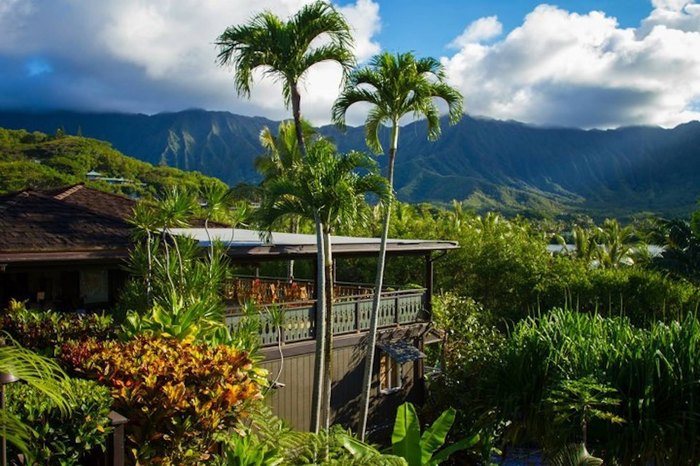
[[401, 351]]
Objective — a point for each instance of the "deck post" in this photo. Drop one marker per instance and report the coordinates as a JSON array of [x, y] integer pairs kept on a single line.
[[116, 446], [429, 284], [357, 316], [397, 317]]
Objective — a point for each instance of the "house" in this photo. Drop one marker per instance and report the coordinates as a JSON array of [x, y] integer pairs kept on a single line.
[[404, 323], [65, 249]]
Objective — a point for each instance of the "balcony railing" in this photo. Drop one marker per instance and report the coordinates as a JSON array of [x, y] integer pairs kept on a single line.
[[267, 290], [351, 314]]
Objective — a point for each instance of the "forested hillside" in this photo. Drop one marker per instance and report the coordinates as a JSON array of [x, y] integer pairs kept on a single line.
[[37, 160]]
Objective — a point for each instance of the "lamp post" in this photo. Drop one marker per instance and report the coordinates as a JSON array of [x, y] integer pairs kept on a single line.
[[5, 378]]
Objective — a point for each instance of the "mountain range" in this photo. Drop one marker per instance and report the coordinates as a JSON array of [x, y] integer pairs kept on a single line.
[[488, 164]]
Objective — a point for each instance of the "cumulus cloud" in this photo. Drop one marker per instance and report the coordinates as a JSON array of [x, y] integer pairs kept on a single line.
[[480, 30], [149, 56], [567, 69]]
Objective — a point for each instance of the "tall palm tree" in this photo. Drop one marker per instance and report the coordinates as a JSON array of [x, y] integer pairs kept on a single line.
[[283, 50], [327, 188], [282, 150], [283, 154], [395, 85]]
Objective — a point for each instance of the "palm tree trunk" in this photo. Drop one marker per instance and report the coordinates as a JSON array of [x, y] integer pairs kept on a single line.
[[374, 317], [293, 228], [296, 114], [211, 247], [328, 350], [167, 261], [320, 332], [149, 273]]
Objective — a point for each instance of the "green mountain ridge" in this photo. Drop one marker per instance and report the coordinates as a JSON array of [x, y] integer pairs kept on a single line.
[[489, 163], [40, 161]]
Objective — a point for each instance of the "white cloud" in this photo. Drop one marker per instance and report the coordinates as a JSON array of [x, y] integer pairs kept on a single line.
[[568, 69], [150, 56], [480, 30]]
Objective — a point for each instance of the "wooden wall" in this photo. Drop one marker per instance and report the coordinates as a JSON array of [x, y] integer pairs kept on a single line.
[[293, 402]]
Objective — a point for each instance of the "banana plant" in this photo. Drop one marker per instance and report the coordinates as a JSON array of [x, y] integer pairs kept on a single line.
[[575, 455], [422, 450]]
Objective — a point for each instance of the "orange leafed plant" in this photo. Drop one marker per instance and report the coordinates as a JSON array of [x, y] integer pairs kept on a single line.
[[176, 394]]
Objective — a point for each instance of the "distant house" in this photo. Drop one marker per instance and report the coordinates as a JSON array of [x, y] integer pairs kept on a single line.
[[97, 176], [63, 249], [93, 175]]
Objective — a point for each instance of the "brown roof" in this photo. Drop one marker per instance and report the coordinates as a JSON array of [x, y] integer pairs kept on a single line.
[[37, 226], [97, 201]]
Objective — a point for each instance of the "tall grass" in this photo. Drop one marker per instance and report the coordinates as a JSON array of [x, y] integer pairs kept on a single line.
[[654, 372]]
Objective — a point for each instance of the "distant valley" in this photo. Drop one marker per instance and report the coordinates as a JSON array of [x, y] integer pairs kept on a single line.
[[487, 163]]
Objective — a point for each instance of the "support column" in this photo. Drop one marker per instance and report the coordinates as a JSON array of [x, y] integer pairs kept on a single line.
[[429, 284]]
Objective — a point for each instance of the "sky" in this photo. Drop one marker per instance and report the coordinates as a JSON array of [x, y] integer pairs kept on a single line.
[[573, 63]]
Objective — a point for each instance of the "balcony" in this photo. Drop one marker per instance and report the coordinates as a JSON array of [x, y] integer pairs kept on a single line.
[[351, 310]]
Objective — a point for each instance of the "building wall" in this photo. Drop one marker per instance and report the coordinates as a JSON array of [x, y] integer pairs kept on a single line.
[[293, 402], [62, 287]]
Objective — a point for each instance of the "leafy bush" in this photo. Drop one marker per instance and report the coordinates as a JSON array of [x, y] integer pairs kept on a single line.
[[58, 438], [469, 345], [421, 450], [45, 331], [176, 394], [267, 440], [642, 295], [642, 376], [499, 264]]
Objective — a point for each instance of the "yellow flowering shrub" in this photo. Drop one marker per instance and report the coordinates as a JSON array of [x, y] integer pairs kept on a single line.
[[176, 394]]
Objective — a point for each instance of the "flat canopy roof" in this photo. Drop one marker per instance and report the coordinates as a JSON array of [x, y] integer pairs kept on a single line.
[[248, 243]]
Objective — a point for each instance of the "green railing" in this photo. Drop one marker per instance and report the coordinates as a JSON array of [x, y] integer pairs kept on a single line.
[[351, 315]]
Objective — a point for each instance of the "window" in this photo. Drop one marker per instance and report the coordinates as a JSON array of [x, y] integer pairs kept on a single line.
[[390, 374], [391, 361]]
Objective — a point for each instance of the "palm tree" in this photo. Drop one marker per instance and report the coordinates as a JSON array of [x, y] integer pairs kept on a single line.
[[283, 154], [284, 51], [395, 85], [282, 150], [327, 188]]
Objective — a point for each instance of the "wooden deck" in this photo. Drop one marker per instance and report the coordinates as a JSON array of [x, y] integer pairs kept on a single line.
[[351, 314]]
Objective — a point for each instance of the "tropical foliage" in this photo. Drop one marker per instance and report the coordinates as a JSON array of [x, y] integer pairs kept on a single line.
[[175, 289], [566, 377], [176, 394], [43, 331], [57, 438], [268, 440], [38, 372], [286, 50], [422, 450]]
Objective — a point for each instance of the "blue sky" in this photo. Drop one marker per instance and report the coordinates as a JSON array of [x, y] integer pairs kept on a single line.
[[443, 20], [590, 64]]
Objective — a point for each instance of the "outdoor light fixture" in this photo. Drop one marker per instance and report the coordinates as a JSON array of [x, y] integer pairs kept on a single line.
[[5, 378]]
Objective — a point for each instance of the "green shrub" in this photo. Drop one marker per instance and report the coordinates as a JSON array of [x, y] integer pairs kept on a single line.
[[499, 264], [650, 374], [642, 295], [176, 394], [267, 440], [57, 438], [44, 331]]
